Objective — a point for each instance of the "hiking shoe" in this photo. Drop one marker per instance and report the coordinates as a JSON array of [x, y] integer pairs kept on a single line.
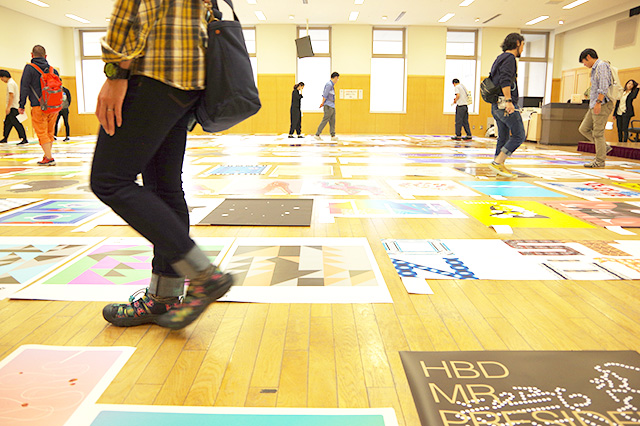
[[23, 142], [47, 162], [593, 165], [201, 292], [501, 170], [145, 310]]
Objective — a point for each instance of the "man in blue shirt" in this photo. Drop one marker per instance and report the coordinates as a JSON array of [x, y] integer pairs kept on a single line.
[[600, 106], [329, 107]]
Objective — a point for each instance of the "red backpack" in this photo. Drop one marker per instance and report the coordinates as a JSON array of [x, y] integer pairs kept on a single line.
[[51, 99]]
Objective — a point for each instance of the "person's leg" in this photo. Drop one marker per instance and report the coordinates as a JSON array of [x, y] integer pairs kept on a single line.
[[17, 124], [465, 121], [599, 124], [55, 130], [332, 122], [325, 120], [299, 122], [41, 126], [292, 128], [503, 130], [619, 120], [7, 129], [458, 125], [65, 116], [516, 128], [625, 127]]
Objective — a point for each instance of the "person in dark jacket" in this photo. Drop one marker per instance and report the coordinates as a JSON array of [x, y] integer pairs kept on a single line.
[[296, 114], [43, 123], [624, 110], [64, 112], [511, 132]]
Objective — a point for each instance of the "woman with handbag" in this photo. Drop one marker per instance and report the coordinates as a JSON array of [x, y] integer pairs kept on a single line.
[[144, 107], [624, 110], [296, 114]]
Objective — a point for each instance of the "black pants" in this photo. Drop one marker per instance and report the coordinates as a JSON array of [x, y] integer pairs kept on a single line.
[[462, 120], [622, 123], [151, 141], [64, 113], [11, 121], [296, 121]]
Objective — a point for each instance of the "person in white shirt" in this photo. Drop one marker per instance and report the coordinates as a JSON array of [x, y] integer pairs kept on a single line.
[[462, 111], [11, 111]]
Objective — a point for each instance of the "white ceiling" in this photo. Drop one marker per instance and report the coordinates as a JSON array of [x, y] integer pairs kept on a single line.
[[515, 13]]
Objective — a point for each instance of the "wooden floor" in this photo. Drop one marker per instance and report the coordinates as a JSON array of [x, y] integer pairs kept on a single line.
[[340, 355]]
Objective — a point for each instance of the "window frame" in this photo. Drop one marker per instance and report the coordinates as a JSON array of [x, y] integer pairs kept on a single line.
[[545, 59], [299, 30], [402, 56], [80, 94]]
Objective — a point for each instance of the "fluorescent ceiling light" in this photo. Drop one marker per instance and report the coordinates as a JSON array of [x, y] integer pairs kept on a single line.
[[353, 16], [260, 15], [446, 17], [538, 19], [38, 3], [384, 18], [574, 4], [466, 3], [251, 1], [358, 2], [291, 17], [77, 18]]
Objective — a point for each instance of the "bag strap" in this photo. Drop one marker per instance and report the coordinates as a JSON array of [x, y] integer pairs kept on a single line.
[[37, 68], [218, 15]]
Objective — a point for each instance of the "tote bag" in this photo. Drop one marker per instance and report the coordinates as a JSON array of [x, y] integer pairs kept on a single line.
[[231, 95]]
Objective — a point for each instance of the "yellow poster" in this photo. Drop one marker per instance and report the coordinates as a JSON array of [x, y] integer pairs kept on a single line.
[[633, 186], [519, 214]]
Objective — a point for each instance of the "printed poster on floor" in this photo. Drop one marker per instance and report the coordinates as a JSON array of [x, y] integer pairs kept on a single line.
[[602, 213], [594, 388]]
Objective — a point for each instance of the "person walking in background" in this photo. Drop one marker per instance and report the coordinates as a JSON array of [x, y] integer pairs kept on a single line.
[[600, 107], [144, 108], [43, 121], [508, 120], [329, 107], [64, 113], [623, 111], [11, 111], [462, 110], [296, 114]]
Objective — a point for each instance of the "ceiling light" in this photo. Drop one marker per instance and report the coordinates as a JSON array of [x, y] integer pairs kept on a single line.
[[77, 18], [477, 19], [538, 19], [38, 3], [358, 2], [561, 22], [384, 18], [574, 4], [466, 3], [353, 16], [401, 15], [108, 19], [446, 17], [260, 15], [291, 17], [251, 1]]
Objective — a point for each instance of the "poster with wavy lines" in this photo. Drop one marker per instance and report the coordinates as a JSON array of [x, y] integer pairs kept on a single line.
[[45, 385]]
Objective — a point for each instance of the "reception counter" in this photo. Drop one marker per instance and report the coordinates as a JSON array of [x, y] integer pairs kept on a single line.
[[560, 123]]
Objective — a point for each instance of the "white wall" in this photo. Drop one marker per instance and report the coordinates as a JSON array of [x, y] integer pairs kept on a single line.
[[491, 40], [598, 36], [19, 33], [351, 47], [276, 49], [426, 50]]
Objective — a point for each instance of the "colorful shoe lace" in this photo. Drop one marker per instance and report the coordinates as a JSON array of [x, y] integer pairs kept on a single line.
[[145, 310], [201, 292]]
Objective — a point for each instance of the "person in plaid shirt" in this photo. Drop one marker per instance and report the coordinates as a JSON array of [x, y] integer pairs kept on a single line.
[[154, 54]]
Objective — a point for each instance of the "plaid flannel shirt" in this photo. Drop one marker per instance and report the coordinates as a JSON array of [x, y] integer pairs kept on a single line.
[[165, 39], [601, 79]]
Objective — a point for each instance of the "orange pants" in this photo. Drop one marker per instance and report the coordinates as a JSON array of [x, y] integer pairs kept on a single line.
[[43, 124]]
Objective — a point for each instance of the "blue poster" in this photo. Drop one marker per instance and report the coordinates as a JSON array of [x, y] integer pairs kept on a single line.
[[237, 170], [510, 189]]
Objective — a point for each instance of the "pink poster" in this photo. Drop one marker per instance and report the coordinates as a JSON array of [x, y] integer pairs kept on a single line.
[[45, 385]]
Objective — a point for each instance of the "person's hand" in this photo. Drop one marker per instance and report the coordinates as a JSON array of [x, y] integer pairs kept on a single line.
[[20, 110], [597, 108], [321, 105], [8, 110], [509, 108], [109, 107]]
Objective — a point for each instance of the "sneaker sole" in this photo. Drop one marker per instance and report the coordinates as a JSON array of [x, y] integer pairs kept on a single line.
[[166, 321]]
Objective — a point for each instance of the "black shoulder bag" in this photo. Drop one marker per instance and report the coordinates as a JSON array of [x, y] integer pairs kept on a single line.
[[231, 95]]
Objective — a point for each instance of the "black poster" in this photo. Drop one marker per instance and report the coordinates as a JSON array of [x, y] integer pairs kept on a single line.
[[525, 388]]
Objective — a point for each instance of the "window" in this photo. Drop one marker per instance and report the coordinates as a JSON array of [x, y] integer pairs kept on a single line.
[[532, 66], [92, 75], [461, 63], [250, 42], [388, 70], [315, 71]]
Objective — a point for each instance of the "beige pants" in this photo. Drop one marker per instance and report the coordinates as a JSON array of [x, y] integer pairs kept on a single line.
[[592, 128]]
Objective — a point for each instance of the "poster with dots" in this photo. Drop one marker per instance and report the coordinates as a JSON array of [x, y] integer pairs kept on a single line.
[[45, 385]]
